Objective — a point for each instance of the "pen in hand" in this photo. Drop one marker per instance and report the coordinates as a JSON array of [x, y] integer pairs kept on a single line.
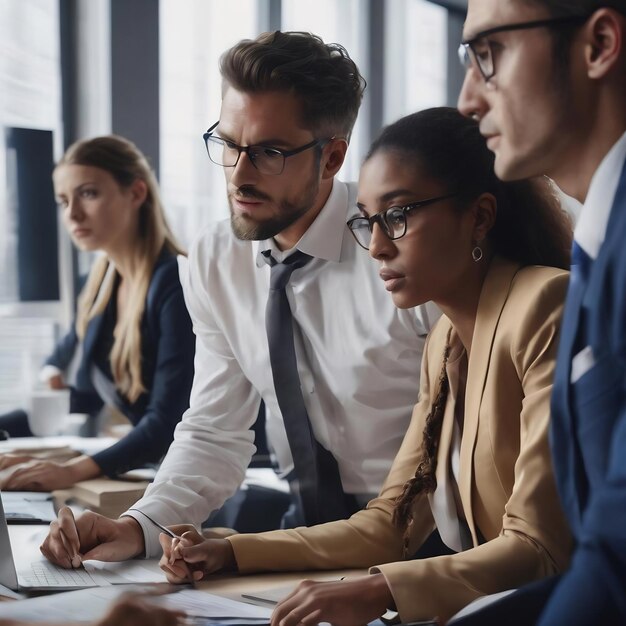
[[176, 538], [72, 551]]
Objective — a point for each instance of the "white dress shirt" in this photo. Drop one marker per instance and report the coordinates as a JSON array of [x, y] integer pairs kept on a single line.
[[591, 228], [358, 360], [594, 217]]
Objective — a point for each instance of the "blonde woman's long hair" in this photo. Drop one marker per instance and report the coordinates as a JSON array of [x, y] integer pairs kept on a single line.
[[125, 162]]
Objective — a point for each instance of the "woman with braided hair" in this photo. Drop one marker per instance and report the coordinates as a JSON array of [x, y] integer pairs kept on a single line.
[[475, 461]]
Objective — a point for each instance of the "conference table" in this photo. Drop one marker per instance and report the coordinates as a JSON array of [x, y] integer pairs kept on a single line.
[[25, 541], [256, 589]]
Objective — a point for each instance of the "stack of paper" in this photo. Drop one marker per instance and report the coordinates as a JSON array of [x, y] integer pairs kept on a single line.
[[52, 453]]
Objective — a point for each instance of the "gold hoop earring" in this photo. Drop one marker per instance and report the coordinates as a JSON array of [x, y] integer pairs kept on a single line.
[[477, 253]]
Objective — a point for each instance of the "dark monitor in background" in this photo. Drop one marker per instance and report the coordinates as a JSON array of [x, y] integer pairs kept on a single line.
[[29, 164]]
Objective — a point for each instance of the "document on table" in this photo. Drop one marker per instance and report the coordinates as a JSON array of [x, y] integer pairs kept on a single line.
[[91, 604], [125, 572], [202, 604], [28, 507], [275, 595], [71, 606]]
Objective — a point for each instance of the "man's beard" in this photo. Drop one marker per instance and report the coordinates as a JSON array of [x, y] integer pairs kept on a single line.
[[288, 212]]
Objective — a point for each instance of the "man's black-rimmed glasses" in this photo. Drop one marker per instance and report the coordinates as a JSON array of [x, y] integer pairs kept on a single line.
[[479, 48], [266, 159], [392, 221]]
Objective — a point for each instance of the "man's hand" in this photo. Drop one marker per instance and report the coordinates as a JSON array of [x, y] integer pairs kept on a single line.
[[342, 603], [192, 557], [91, 536]]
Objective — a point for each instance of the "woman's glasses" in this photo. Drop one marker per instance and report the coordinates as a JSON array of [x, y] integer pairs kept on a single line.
[[392, 221]]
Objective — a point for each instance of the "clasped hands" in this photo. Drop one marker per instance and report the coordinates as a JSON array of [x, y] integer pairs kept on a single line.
[[191, 557]]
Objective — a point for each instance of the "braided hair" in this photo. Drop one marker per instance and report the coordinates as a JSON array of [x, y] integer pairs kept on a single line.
[[424, 480]]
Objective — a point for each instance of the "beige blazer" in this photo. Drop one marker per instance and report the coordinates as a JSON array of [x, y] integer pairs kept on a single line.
[[506, 484]]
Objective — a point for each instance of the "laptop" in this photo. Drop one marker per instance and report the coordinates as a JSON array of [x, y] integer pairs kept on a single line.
[[36, 573]]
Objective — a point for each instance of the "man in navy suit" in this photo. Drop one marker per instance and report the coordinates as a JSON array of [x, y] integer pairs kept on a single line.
[[547, 80]]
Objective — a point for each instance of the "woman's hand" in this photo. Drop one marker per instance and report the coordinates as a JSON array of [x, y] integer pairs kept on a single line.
[[343, 603], [10, 459], [192, 557], [41, 475], [56, 382]]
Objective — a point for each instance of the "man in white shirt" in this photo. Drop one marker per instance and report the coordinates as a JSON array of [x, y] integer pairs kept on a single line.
[[547, 80], [289, 102]]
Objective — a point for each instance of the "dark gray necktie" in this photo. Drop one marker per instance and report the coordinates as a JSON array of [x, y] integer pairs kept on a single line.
[[317, 474]]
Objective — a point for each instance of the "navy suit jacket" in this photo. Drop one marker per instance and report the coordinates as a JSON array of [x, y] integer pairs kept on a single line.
[[168, 347], [589, 436]]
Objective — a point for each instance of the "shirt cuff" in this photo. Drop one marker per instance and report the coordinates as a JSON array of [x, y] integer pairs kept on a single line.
[[47, 372], [150, 535]]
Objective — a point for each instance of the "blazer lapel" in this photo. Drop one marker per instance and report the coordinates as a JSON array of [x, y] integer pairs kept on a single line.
[[95, 324], [565, 451], [91, 335], [445, 439], [585, 301], [493, 297]]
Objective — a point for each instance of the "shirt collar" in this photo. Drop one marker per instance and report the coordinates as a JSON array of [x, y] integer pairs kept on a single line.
[[594, 217], [324, 237]]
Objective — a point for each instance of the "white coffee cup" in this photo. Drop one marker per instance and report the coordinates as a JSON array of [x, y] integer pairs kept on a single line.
[[49, 410]]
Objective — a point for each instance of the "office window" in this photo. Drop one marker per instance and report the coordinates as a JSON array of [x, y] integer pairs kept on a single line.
[[416, 57], [193, 35], [29, 98], [343, 22], [30, 93]]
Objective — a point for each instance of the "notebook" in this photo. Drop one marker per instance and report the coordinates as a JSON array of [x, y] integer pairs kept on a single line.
[[105, 496], [39, 574]]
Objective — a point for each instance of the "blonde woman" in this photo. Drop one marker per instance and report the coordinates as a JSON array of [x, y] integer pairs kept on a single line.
[[132, 340]]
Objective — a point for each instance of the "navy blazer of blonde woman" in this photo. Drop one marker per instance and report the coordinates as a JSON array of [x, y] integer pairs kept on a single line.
[[167, 353], [506, 485]]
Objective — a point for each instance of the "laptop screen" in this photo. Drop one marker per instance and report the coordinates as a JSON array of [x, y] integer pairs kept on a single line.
[[8, 575]]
